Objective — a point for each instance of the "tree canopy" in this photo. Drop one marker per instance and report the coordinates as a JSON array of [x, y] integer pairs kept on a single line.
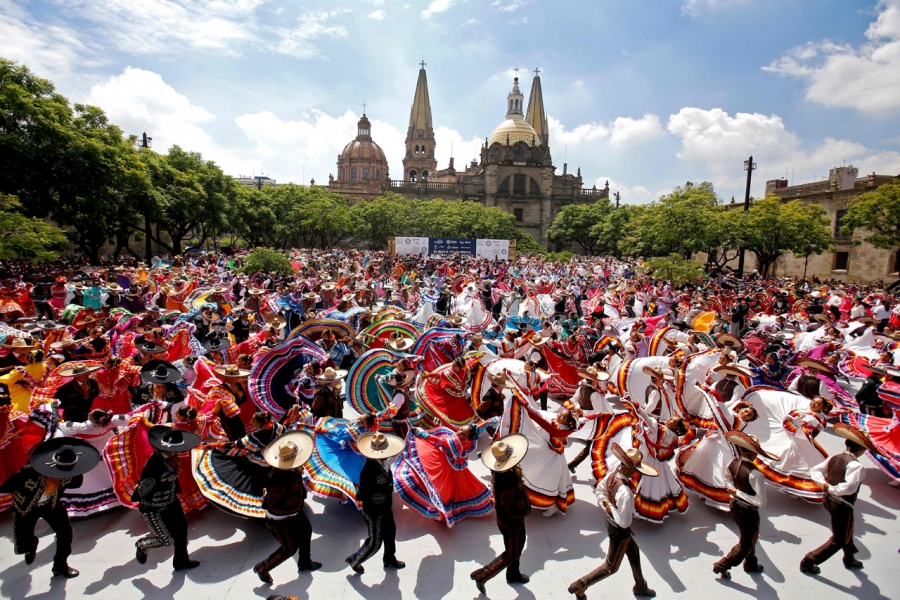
[[877, 212]]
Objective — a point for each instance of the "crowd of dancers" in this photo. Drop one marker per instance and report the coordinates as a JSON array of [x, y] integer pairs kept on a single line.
[[170, 386]]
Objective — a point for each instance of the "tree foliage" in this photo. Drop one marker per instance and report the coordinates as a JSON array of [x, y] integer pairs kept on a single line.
[[27, 238], [575, 223], [772, 228], [877, 212], [675, 269], [265, 260]]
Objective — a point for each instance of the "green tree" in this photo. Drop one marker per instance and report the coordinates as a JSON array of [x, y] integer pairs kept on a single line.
[[577, 223], [681, 219], [772, 227], [674, 269], [27, 238], [526, 245], [264, 260], [877, 212]]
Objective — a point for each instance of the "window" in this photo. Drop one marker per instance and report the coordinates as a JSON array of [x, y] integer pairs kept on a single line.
[[413, 176], [839, 222], [519, 213], [841, 261], [378, 174], [519, 184], [366, 173], [353, 174], [424, 175]]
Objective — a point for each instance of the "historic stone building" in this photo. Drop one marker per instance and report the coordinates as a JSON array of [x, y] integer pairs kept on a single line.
[[848, 262], [515, 171]]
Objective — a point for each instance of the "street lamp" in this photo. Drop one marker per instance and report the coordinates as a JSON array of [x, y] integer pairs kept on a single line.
[[147, 142], [749, 166]]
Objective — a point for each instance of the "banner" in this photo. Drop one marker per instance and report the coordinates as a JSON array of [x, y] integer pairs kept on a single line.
[[492, 249], [411, 245], [439, 247]]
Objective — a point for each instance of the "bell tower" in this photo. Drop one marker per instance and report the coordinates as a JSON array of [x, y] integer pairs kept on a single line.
[[419, 162]]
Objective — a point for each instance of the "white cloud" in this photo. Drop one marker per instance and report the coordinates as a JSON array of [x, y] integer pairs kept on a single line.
[[139, 101], [627, 131], [510, 5], [722, 142], [298, 41], [377, 15], [866, 78], [628, 194], [519, 21], [48, 50], [437, 6], [449, 140], [470, 22], [696, 7], [588, 132]]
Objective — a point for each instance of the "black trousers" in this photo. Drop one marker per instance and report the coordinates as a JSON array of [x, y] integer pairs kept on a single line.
[[294, 535], [841, 533], [747, 520], [513, 531], [168, 527], [621, 544], [57, 518], [382, 530]]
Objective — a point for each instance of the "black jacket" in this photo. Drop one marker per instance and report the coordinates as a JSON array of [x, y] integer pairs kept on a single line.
[[158, 487], [27, 487], [76, 407], [376, 487]]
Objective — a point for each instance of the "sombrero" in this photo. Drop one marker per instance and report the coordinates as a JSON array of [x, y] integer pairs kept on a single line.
[[216, 344], [727, 339], [505, 453], [392, 380], [231, 372], [733, 369], [748, 442], [330, 375], [658, 373], [538, 340], [592, 373], [380, 445], [634, 458], [290, 450], [855, 435], [501, 380], [150, 347], [78, 368], [64, 457], [401, 343], [49, 325], [821, 318], [277, 321], [18, 343], [816, 365], [171, 439], [160, 371]]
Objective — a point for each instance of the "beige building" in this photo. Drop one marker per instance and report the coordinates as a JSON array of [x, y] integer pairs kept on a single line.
[[515, 171]]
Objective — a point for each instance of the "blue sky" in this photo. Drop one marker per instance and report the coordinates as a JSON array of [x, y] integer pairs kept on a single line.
[[644, 93]]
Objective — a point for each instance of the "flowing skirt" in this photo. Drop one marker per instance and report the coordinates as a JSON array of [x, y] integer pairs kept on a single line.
[[427, 482], [658, 496], [885, 434], [701, 467], [334, 467]]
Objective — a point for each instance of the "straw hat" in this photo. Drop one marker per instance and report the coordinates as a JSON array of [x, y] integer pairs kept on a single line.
[[821, 318], [231, 372], [454, 320], [729, 340], [290, 450], [733, 369], [595, 374], [18, 344], [380, 445], [401, 343], [855, 435], [256, 291], [392, 380], [658, 373], [73, 369], [502, 380], [816, 365], [634, 458], [505, 453], [538, 340], [277, 321], [748, 442], [330, 375]]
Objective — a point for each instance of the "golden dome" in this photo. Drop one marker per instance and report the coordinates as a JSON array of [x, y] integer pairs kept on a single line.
[[517, 129]]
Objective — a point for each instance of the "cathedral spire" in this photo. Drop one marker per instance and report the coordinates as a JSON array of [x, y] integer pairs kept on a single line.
[[420, 115], [536, 115]]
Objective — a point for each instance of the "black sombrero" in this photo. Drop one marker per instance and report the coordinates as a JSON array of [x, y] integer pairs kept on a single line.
[[160, 371], [170, 439], [64, 457], [216, 344], [150, 347]]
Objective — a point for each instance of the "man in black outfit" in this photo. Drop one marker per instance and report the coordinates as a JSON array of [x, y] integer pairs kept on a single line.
[[283, 503], [56, 465], [76, 396], [511, 505], [376, 492], [156, 495]]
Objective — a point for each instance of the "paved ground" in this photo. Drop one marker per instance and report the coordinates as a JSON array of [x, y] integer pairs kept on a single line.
[[677, 556]]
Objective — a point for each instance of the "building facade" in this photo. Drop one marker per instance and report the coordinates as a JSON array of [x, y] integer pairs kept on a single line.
[[515, 171]]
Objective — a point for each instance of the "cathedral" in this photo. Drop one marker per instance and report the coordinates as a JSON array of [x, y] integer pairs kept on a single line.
[[515, 172]]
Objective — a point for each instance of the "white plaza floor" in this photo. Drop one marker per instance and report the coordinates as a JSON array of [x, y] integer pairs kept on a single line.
[[677, 556]]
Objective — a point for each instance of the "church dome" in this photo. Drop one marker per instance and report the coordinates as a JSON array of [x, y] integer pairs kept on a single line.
[[363, 148], [515, 128]]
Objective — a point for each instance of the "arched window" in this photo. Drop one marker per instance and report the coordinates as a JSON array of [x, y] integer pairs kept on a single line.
[[378, 174], [424, 175], [417, 149], [366, 173], [353, 174], [413, 175]]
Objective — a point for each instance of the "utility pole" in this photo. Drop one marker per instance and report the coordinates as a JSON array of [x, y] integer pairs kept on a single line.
[[147, 142], [749, 166], [617, 199]]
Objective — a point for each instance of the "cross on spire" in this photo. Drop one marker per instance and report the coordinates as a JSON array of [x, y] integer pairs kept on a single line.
[[422, 64], [517, 72], [537, 72], [364, 108]]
